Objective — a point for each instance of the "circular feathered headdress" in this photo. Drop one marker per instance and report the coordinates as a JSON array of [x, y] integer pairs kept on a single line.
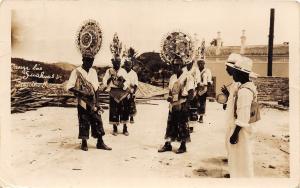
[[177, 45], [89, 38]]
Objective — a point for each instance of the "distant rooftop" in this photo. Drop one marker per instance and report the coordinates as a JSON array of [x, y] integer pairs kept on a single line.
[[250, 50]]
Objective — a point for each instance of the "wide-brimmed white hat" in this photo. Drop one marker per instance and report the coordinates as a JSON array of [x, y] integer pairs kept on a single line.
[[244, 64], [233, 58]]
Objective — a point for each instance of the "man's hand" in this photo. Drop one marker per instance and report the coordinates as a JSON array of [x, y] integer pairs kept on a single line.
[[235, 135], [98, 109], [109, 80], [127, 89], [121, 79], [132, 95], [134, 89], [234, 138], [225, 90]]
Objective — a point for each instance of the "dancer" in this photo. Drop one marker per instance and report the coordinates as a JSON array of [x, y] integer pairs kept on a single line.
[[180, 95], [114, 81], [133, 81], [193, 73], [202, 89], [83, 82]]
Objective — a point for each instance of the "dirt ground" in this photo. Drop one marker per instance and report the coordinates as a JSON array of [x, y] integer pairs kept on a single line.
[[46, 153]]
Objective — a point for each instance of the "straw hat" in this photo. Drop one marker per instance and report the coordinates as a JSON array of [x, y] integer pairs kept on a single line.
[[233, 58], [243, 64]]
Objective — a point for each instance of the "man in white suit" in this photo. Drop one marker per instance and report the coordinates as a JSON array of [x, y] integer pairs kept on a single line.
[[240, 157]]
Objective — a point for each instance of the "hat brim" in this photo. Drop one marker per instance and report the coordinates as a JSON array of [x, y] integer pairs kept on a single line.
[[251, 74], [229, 64]]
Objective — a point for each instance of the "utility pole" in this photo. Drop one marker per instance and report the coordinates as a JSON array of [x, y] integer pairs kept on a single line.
[[270, 44]]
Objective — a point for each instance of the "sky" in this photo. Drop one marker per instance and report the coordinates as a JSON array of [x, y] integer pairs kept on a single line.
[[46, 30]]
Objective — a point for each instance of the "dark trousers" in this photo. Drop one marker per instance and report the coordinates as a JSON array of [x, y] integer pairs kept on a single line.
[[118, 112], [87, 120], [202, 104], [177, 125], [132, 106], [193, 116]]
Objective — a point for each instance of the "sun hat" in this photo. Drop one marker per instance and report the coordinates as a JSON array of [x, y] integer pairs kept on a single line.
[[244, 64], [233, 58]]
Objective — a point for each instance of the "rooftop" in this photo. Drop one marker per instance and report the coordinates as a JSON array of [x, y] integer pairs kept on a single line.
[[250, 50]]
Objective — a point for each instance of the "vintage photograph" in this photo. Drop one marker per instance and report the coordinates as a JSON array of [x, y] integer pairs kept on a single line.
[[162, 89]]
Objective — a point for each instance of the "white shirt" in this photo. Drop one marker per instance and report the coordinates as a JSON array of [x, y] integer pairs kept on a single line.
[[244, 101], [132, 78], [120, 72], [209, 75], [194, 73], [203, 77], [90, 76], [233, 88], [184, 80]]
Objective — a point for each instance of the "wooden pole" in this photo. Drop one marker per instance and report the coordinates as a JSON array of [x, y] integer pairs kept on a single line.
[[270, 44], [163, 77]]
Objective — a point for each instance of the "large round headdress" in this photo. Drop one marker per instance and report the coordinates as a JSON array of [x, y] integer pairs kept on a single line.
[[177, 45], [89, 38]]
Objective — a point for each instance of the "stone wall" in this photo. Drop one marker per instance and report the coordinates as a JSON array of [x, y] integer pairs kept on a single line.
[[272, 88]]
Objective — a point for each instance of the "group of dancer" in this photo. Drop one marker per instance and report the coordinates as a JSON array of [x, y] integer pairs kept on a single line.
[[242, 110], [187, 100], [121, 83], [187, 97]]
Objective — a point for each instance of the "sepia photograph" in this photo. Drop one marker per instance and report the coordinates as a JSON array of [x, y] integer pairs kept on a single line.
[[110, 92]]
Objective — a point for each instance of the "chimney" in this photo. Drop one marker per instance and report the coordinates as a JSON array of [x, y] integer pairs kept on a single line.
[[243, 42], [202, 52], [196, 46], [219, 42]]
